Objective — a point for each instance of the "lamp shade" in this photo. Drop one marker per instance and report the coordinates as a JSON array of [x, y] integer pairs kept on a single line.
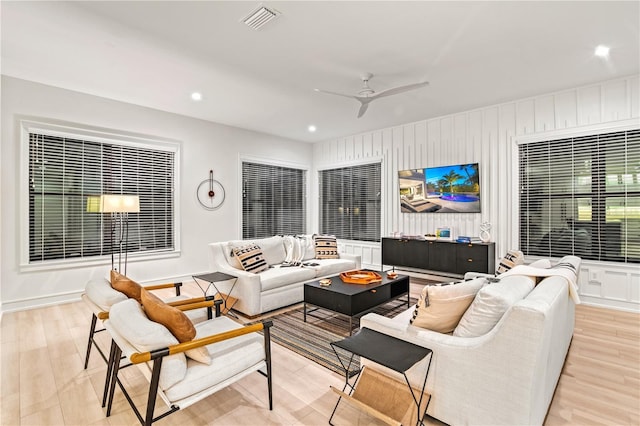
[[93, 204], [119, 203]]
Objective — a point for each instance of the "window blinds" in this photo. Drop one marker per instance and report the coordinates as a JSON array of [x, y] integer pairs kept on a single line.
[[63, 172], [581, 196], [350, 202], [273, 200]]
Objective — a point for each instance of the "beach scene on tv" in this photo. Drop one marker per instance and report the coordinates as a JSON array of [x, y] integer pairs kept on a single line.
[[446, 189]]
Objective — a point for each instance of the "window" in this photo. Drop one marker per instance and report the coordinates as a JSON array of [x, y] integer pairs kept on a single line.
[[350, 202], [65, 169], [273, 200], [581, 196]]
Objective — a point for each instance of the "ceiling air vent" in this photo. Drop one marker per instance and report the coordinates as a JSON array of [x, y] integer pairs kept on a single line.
[[260, 16]]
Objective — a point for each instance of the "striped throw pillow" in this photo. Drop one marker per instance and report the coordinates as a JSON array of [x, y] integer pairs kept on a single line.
[[326, 247], [511, 259], [251, 258]]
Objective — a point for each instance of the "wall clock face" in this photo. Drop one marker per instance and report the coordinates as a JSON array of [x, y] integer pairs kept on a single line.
[[210, 193]]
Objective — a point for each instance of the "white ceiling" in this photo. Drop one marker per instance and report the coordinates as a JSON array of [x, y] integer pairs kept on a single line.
[[473, 54]]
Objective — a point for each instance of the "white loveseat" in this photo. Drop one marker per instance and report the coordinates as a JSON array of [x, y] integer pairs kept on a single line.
[[505, 377], [280, 285]]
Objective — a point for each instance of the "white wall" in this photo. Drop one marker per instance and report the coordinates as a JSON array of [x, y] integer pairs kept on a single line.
[[205, 146], [488, 136]]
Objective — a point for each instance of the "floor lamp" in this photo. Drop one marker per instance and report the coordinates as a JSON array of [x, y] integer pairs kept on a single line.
[[119, 206]]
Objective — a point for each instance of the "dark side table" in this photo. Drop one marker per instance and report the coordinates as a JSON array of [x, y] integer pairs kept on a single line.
[[376, 393], [212, 278]]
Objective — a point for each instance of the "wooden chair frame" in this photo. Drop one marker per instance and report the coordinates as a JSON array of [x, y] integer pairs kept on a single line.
[[156, 356]]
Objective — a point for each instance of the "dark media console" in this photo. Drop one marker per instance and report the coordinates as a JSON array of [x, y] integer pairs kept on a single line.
[[445, 257]]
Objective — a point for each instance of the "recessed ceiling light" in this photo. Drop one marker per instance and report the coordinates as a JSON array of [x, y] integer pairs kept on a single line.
[[196, 96], [311, 128], [602, 51]]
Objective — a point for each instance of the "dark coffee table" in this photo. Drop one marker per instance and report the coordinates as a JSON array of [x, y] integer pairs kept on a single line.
[[354, 300]]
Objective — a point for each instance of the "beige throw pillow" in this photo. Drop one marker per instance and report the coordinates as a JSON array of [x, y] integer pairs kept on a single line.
[[441, 306], [511, 259], [326, 247], [251, 258]]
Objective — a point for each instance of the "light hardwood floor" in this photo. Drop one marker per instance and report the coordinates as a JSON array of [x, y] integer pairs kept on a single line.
[[43, 381]]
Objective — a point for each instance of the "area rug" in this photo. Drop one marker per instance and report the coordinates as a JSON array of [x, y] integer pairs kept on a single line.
[[312, 339]]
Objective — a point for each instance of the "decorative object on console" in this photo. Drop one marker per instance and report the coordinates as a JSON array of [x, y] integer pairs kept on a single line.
[[326, 247], [463, 239], [444, 233], [210, 193], [485, 236], [360, 277], [430, 237]]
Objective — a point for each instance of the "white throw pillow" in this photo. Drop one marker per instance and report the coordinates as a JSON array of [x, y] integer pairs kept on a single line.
[[441, 306], [101, 293], [294, 249], [272, 249], [307, 246], [130, 321], [491, 303], [541, 263]]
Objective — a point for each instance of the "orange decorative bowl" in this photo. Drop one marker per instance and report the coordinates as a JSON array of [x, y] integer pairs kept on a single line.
[[360, 277]]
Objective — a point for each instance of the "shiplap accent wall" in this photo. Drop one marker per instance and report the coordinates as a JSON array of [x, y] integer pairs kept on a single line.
[[488, 136]]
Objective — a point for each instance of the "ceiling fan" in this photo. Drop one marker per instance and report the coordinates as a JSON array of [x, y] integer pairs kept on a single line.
[[367, 94]]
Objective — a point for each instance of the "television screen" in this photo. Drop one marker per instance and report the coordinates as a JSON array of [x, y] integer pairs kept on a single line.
[[446, 189]]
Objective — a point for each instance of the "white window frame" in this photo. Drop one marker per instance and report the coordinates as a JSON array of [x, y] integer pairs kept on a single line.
[[596, 129], [277, 163], [100, 135], [355, 163]]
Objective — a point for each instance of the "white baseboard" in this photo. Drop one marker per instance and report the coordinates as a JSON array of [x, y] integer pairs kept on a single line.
[[619, 305], [40, 301]]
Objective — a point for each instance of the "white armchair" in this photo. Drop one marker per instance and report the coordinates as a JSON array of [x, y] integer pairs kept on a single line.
[[99, 296], [234, 350]]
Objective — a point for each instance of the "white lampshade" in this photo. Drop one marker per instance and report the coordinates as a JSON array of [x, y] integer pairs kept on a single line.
[[119, 203], [93, 204]]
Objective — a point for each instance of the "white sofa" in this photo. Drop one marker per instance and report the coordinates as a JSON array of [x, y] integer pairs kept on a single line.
[[505, 377], [280, 285]]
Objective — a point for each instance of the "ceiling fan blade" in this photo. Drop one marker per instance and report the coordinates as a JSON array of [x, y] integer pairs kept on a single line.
[[400, 89], [363, 108], [334, 93]]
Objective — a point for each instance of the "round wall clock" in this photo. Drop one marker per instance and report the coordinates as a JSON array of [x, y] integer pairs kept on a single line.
[[210, 193]]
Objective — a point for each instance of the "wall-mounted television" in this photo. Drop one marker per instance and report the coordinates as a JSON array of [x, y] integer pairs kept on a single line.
[[445, 189]]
